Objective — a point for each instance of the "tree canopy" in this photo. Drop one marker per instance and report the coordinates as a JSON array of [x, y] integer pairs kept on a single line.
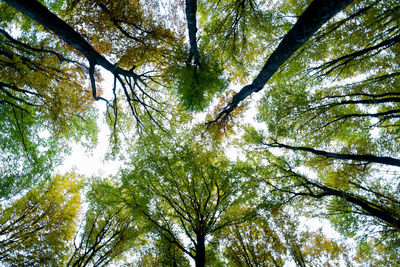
[[236, 122], [184, 187]]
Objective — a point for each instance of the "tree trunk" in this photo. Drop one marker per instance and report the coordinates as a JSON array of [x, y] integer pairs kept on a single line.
[[200, 258], [191, 9], [39, 13], [312, 19]]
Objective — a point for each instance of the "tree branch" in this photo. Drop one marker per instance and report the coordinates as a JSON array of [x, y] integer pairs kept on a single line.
[[364, 158], [347, 58], [370, 208]]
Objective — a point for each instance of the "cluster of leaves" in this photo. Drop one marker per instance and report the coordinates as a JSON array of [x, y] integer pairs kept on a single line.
[[196, 85], [221, 131], [275, 239], [239, 32]]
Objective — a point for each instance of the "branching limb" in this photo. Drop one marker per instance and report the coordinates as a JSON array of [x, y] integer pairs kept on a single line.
[[344, 60], [117, 24], [308, 188]]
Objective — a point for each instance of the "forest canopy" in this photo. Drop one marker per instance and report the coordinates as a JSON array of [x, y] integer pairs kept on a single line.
[[236, 123]]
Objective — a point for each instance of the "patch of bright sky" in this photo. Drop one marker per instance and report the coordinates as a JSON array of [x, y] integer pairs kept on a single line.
[[93, 163]]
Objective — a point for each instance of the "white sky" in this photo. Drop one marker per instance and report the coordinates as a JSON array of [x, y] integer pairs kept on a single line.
[[93, 164]]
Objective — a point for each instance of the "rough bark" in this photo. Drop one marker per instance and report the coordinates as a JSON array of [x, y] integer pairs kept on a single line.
[[312, 19], [363, 158]]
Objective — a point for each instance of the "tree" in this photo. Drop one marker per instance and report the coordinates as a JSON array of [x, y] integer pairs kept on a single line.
[[134, 86], [348, 116], [378, 205], [107, 231], [357, 204], [184, 186], [36, 229]]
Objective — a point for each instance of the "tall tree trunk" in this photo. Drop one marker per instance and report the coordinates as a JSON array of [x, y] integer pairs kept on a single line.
[[191, 9], [39, 13], [312, 19], [200, 258]]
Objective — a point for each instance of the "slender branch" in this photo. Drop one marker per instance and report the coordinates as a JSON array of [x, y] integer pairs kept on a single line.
[[345, 59], [368, 207], [364, 158], [373, 96], [378, 114], [116, 24], [40, 50], [364, 101], [168, 231]]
